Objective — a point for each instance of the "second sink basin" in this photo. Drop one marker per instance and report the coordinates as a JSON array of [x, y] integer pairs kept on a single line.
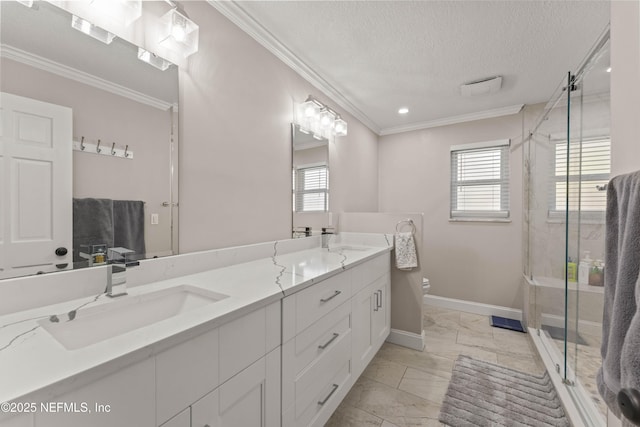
[[104, 321], [347, 248]]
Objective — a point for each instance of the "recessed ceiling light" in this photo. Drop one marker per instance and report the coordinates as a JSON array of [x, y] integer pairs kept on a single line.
[[403, 110], [609, 70]]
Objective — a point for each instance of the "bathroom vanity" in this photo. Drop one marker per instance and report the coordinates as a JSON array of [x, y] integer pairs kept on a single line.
[[260, 341]]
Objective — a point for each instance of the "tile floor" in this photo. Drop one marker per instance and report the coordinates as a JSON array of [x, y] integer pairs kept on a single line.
[[404, 387]]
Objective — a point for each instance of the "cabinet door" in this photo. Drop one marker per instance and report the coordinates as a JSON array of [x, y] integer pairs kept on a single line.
[[381, 323], [249, 399], [362, 344], [185, 373], [125, 398]]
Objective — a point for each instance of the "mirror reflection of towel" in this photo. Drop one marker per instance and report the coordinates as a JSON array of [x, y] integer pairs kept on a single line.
[[128, 226], [109, 222], [405, 247], [92, 224]]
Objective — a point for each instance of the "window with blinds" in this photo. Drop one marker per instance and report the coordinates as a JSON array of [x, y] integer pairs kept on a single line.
[[480, 180], [582, 181], [311, 188]]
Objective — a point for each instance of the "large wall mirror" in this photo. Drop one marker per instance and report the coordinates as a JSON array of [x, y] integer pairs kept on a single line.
[[311, 204], [118, 101]]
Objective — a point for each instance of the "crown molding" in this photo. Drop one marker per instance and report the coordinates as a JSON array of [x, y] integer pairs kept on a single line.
[[236, 14], [481, 115], [28, 58]]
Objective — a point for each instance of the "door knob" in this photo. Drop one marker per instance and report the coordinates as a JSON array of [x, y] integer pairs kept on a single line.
[[629, 403], [61, 251]]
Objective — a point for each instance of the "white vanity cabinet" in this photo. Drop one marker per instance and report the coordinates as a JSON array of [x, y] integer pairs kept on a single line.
[[234, 382], [331, 331]]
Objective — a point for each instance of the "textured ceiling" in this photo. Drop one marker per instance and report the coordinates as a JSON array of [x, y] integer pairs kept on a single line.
[[382, 55]]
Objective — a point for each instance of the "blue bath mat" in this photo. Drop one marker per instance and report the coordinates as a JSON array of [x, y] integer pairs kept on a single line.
[[504, 323]]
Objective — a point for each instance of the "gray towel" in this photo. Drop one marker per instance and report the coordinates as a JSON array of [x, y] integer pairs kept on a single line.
[[92, 224], [621, 322], [128, 226]]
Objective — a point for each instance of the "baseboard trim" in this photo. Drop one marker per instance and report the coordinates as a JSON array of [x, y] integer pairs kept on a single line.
[[406, 339], [473, 307]]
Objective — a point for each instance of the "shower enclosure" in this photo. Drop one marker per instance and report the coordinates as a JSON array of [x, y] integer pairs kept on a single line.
[[567, 165]]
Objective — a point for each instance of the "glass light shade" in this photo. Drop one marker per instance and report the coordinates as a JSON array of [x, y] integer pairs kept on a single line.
[[326, 119], [153, 59], [28, 3], [179, 33], [310, 110], [122, 12], [340, 127], [94, 31]]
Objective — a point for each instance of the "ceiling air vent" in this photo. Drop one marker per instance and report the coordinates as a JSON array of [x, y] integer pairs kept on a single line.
[[481, 87]]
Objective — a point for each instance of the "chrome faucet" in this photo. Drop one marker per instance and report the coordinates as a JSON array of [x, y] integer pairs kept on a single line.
[[117, 272], [116, 280], [327, 233]]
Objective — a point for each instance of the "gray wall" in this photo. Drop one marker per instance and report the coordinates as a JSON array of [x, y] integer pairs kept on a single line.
[[236, 106]]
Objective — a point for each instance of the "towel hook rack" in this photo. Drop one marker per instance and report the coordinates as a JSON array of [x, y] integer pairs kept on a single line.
[[404, 222], [85, 145]]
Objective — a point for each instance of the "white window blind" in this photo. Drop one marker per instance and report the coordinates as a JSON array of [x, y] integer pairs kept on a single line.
[[585, 177], [311, 189], [480, 180]]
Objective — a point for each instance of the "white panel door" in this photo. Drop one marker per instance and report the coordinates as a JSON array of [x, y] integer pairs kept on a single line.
[[35, 186]]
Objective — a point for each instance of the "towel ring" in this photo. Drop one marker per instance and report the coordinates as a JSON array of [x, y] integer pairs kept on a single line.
[[404, 222]]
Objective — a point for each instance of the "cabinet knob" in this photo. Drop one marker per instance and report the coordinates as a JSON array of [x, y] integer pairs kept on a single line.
[[629, 403], [61, 251]]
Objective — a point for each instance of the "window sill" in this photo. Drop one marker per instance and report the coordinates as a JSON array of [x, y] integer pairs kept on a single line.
[[482, 220], [582, 221]]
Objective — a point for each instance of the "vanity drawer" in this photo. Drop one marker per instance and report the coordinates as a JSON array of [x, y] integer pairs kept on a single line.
[[312, 344], [369, 271], [316, 301], [319, 391]]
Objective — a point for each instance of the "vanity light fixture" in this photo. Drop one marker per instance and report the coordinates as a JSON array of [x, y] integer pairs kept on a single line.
[[340, 126], [315, 117], [179, 33], [153, 59], [403, 110], [94, 31], [28, 3], [122, 12]]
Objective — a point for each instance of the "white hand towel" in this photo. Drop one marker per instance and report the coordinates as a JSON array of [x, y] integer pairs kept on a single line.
[[406, 257]]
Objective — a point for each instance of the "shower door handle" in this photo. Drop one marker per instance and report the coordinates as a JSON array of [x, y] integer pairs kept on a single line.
[[629, 403]]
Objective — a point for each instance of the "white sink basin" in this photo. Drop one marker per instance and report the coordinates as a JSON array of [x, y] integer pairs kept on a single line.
[[125, 314]]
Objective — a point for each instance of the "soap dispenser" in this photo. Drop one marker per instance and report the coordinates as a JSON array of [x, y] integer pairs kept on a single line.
[[583, 269]]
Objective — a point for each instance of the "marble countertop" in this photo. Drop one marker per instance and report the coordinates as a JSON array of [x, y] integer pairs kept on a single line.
[[36, 367]]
